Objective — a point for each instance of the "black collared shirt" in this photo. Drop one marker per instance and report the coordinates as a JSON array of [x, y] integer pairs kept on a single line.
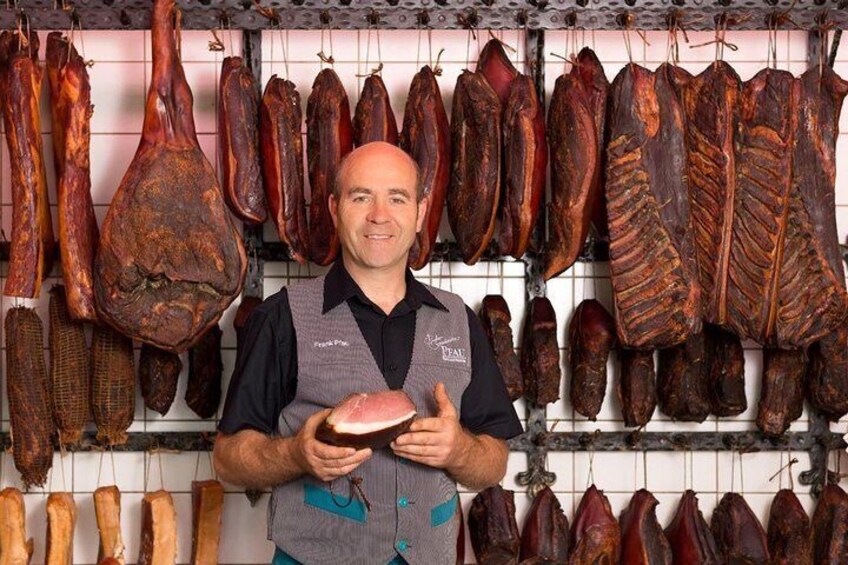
[[265, 377]]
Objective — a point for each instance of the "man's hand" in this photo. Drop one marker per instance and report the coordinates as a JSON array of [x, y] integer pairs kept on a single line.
[[437, 442], [321, 460]]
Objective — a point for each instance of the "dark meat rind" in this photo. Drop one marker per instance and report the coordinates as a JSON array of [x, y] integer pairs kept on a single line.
[[738, 533], [282, 164], [32, 243], [426, 137], [595, 533], [591, 337], [782, 392], [205, 368], [78, 232], [637, 386], [499, 71], [788, 534], [711, 103], [329, 137], [690, 538], [726, 371], [830, 527], [373, 119], [575, 167], [492, 526], [545, 536], [682, 381], [827, 374], [28, 393], [525, 159], [158, 373], [643, 541], [475, 181], [540, 353], [495, 319], [238, 141], [170, 258], [657, 302]]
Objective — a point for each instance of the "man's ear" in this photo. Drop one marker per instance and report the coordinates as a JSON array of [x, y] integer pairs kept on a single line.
[[422, 213], [333, 205]]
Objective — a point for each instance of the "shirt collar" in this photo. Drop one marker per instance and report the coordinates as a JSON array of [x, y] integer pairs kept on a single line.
[[339, 287]]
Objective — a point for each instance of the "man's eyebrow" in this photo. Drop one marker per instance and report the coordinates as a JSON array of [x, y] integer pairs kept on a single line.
[[360, 190], [401, 191]]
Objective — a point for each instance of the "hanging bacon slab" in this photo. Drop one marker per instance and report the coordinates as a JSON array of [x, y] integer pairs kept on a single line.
[[691, 540], [595, 533], [475, 182], [170, 258], [31, 249], [637, 387], [525, 160], [788, 535], [726, 371], [329, 137], [738, 533], [497, 68], [426, 137], [544, 538], [78, 234], [597, 88], [282, 164], [238, 139], [782, 392], [374, 119], [643, 541], [591, 337], [657, 301], [495, 319]]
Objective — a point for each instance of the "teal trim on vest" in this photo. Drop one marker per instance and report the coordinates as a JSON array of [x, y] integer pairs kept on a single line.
[[351, 509], [443, 512], [283, 558]]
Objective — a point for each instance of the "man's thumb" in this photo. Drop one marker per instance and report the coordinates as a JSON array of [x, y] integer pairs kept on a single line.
[[443, 401]]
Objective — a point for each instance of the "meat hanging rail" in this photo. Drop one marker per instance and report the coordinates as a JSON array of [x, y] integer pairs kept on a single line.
[[534, 17]]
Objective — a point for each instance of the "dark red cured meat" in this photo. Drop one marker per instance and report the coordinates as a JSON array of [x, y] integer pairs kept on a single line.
[[595, 533], [788, 535], [497, 68], [158, 374], [691, 540], [830, 527], [591, 337], [738, 533], [725, 371], [540, 353], [495, 319], [368, 420], [374, 119], [545, 536], [491, 523], [682, 381], [782, 393], [329, 137], [643, 541], [637, 387], [827, 374], [205, 369]]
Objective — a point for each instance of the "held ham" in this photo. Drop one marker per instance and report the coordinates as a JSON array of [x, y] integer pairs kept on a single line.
[[497, 68], [782, 392], [725, 371], [682, 381], [158, 373], [827, 374], [282, 164], [238, 138], [368, 420], [830, 527], [426, 137], [170, 258]]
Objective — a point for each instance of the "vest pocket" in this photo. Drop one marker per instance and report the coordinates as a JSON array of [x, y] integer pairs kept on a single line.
[[444, 512], [350, 508]]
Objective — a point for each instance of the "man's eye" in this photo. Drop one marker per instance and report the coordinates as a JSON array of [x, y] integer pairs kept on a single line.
[[359, 198], [398, 200]]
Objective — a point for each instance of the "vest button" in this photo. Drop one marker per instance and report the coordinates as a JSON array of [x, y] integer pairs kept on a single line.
[[402, 545], [403, 502]]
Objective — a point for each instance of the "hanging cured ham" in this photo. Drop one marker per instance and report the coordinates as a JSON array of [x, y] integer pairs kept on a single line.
[[540, 353], [827, 374], [643, 541], [637, 387], [691, 540], [788, 535], [495, 319], [725, 361], [238, 139], [475, 181], [595, 533], [426, 137], [657, 301], [684, 391], [70, 92], [492, 526], [738, 533], [170, 258], [374, 119], [830, 526], [282, 164], [576, 136], [329, 137], [544, 538], [591, 337], [782, 392], [497, 68], [31, 250]]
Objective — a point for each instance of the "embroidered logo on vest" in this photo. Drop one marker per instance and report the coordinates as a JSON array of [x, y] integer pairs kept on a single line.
[[451, 354], [331, 343]]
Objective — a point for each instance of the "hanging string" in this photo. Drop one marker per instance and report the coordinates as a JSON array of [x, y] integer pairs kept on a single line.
[[787, 466], [741, 474], [321, 55], [284, 45], [468, 48], [591, 477], [645, 469]]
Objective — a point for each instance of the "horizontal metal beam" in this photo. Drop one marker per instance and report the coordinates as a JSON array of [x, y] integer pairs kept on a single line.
[[436, 14]]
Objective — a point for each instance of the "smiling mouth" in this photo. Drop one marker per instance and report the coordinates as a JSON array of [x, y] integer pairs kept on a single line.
[[378, 237]]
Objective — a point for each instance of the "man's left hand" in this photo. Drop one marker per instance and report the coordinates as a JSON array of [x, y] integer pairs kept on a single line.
[[437, 442]]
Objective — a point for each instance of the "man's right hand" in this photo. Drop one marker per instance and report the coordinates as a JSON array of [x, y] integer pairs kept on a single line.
[[321, 460]]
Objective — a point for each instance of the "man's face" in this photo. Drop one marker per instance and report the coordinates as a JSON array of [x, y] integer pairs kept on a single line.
[[377, 215]]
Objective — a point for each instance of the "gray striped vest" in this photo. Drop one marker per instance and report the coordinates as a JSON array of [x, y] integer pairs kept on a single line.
[[413, 507]]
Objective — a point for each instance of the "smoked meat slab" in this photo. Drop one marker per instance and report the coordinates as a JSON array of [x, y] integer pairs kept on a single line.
[[544, 538], [492, 527], [830, 527], [637, 386], [540, 353], [595, 533], [591, 337], [643, 541], [495, 318], [373, 118], [691, 540], [737, 531], [788, 533], [782, 391]]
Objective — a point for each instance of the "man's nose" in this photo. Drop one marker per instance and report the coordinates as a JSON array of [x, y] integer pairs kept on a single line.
[[379, 211]]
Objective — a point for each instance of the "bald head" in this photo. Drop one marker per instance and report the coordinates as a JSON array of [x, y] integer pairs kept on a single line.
[[378, 158]]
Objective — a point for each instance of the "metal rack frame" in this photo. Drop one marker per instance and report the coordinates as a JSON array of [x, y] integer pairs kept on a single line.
[[533, 16]]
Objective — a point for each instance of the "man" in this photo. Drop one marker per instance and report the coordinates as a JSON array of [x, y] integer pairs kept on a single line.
[[367, 325]]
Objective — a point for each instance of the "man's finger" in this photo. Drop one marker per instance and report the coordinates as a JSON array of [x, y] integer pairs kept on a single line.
[[416, 438], [427, 425], [332, 452], [315, 420]]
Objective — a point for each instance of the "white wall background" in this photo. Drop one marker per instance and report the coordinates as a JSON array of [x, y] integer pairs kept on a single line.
[[119, 82]]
